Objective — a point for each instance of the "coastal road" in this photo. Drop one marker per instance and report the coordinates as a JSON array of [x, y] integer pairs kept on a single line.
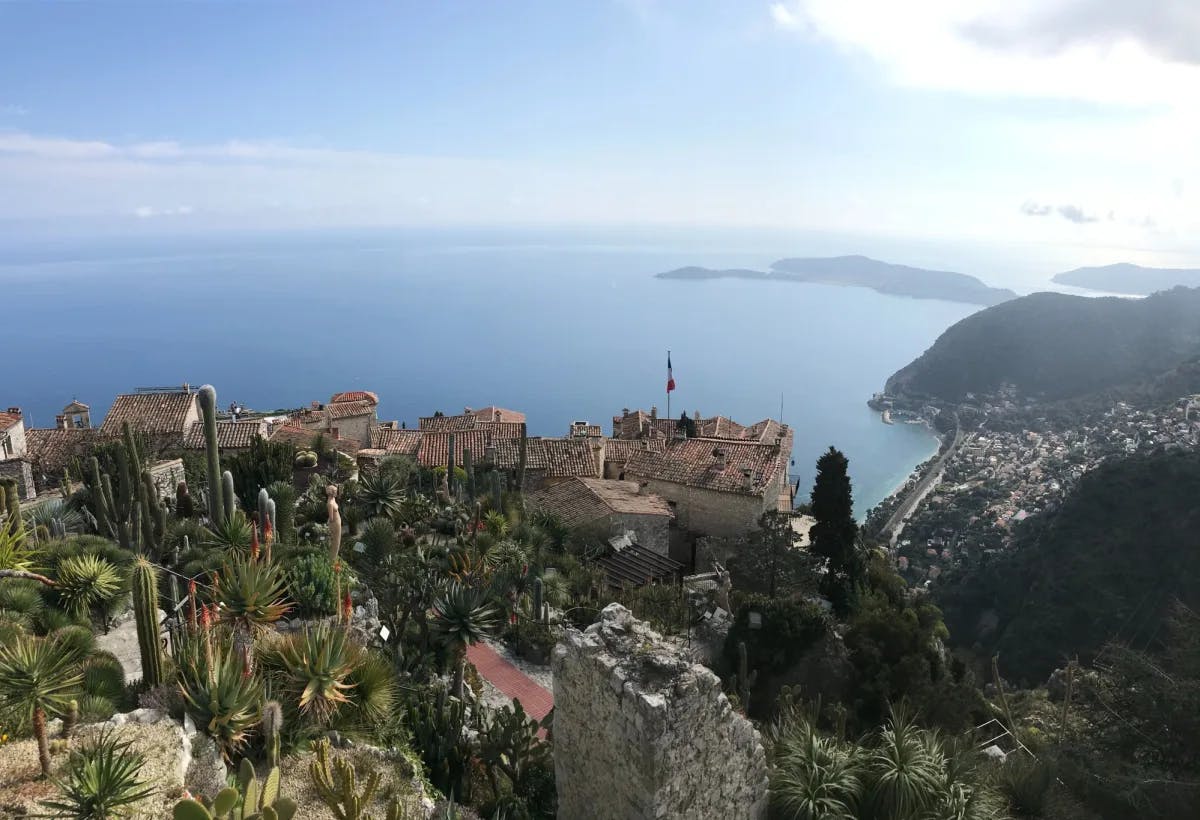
[[932, 476]]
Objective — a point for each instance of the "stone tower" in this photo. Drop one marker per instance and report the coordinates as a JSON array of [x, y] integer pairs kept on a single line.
[[75, 416], [640, 732]]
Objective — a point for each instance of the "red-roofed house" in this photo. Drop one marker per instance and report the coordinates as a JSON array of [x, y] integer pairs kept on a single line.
[[14, 460], [164, 416]]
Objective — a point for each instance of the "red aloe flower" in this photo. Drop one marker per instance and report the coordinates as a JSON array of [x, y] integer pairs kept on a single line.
[[268, 531], [254, 542], [347, 608], [192, 603]]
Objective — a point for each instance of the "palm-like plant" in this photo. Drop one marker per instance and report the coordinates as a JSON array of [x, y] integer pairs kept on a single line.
[[233, 535], [86, 583], [219, 691], [314, 667], [251, 593], [462, 617], [101, 781], [496, 523], [38, 677], [13, 552], [380, 494]]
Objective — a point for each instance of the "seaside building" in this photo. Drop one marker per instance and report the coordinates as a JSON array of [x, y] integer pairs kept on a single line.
[[613, 507], [348, 417], [14, 460], [232, 436], [164, 415]]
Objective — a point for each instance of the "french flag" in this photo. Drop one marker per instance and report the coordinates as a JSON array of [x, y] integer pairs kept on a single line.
[[670, 378]]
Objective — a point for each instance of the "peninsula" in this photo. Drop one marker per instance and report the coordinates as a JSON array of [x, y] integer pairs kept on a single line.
[[1125, 277], [862, 271]]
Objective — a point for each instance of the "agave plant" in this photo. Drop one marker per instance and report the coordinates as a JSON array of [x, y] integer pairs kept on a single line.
[[101, 781], [45, 515], [13, 552], [86, 583], [251, 594], [462, 617], [38, 678], [233, 535], [219, 691], [380, 494], [314, 668]]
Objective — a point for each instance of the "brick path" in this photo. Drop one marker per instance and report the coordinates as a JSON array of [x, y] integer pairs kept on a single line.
[[496, 670]]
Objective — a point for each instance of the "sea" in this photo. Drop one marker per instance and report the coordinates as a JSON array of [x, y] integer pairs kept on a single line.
[[562, 326]]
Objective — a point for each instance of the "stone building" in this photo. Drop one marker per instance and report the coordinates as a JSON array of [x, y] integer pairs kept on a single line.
[[14, 458], [616, 507], [641, 732], [349, 416], [164, 416], [75, 416]]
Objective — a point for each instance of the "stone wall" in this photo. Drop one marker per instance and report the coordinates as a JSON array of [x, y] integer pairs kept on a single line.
[[708, 512], [22, 471], [653, 531], [640, 732]]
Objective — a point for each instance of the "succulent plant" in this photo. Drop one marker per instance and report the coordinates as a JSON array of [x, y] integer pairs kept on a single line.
[[251, 800]]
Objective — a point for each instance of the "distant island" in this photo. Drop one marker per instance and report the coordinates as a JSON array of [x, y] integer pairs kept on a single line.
[[861, 271], [1126, 277]]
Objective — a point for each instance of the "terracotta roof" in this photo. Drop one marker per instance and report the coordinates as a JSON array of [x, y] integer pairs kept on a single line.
[[557, 457], [447, 423], [501, 429], [9, 420], [616, 449], [580, 501], [75, 406], [151, 413], [711, 464], [396, 442], [435, 447], [585, 431], [639, 423], [355, 395], [231, 435], [302, 438], [494, 413], [349, 409], [719, 427], [53, 449]]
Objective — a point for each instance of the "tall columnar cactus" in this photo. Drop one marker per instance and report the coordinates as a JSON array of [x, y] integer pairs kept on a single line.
[[208, 407], [469, 469], [497, 495], [337, 784], [521, 460], [145, 612], [251, 800], [272, 725], [12, 503], [450, 466], [264, 502], [227, 495], [153, 515], [537, 600], [100, 499]]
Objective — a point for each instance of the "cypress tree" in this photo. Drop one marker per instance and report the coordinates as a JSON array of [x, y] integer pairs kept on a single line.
[[834, 536]]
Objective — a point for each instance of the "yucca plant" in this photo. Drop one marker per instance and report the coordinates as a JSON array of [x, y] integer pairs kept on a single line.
[[14, 552], [46, 514], [220, 693], [86, 584], [462, 617], [251, 594], [100, 782], [233, 534], [38, 678], [380, 494]]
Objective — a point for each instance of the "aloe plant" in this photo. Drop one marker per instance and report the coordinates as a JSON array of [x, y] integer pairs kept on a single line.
[[315, 667], [101, 781], [251, 594], [219, 691]]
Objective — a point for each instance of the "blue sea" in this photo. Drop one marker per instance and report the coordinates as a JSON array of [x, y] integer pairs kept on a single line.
[[564, 327]]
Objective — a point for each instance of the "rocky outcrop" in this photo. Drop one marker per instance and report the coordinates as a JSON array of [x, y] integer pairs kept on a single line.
[[641, 732]]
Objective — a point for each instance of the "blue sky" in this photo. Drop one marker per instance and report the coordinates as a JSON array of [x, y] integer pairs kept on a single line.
[[1071, 122]]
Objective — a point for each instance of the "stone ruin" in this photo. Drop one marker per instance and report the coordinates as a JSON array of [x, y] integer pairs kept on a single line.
[[641, 732]]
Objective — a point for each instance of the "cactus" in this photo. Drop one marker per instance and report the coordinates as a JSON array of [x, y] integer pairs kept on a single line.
[[184, 508], [153, 518], [70, 719], [264, 501], [450, 466], [258, 801], [497, 496], [272, 725], [437, 726], [469, 469], [745, 678], [337, 785], [208, 407], [228, 502], [145, 612], [538, 613]]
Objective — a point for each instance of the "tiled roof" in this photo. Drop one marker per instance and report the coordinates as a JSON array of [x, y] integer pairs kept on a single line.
[[616, 449], [52, 450], [639, 423], [231, 435], [446, 423], [711, 464], [719, 427], [583, 500], [151, 413], [435, 447], [585, 431], [349, 409], [9, 420], [556, 457], [302, 438], [396, 442], [501, 429], [494, 413], [355, 395], [635, 566]]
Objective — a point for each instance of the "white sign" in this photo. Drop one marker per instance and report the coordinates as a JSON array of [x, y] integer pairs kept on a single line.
[[359, 546], [384, 632]]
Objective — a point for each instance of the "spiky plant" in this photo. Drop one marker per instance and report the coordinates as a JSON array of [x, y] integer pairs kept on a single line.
[[38, 678], [232, 534], [101, 781], [251, 594], [52, 512], [14, 552], [314, 667], [86, 584], [496, 523], [380, 494], [219, 692], [379, 538], [374, 692], [284, 495], [462, 617], [814, 776]]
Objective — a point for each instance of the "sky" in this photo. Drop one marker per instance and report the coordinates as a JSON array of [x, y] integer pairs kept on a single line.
[[1072, 123]]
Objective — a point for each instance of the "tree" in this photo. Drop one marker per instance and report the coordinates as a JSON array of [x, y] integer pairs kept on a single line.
[[687, 425], [462, 617], [835, 534], [769, 561], [38, 677]]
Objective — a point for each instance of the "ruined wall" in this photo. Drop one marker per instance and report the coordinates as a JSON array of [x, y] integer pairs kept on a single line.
[[639, 732], [653, 531]]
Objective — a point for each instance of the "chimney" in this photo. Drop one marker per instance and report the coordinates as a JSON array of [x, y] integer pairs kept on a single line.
[[316, 405], [747, 479], [653, 412], [624, 411], [60, 422], [187, 388], [16, 411], [718, 456]]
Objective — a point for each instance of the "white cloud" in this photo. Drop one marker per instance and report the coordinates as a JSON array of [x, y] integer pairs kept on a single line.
[[782, 16]]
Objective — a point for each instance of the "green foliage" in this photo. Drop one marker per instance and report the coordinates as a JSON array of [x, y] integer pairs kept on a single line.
[[86, 584], [233, 534], [20, 597], [145, 611], [437, 723], [207, 399], [380, 494], [103, 676], [509, 747], [253, 799], [787, 628], [251, 593], [38, 677], [1025, 781], [218, 692], [96, 709], [771, 562], [312, 585], [283, 493], [100, 782], [15, 552], [78, 640], [337, 784], [378, 536], [312, 669], [262, 464], [834, 535]]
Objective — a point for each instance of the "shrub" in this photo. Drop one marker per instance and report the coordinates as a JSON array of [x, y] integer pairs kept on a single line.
[[312, 586], [78, 639], [87, 584], [95, 709], [104, 677], [20, 597], [100, 781]]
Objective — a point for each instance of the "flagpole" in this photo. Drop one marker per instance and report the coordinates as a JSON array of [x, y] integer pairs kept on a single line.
[[669, 392]]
